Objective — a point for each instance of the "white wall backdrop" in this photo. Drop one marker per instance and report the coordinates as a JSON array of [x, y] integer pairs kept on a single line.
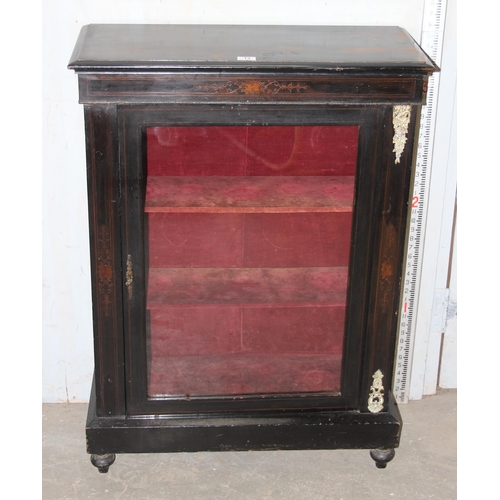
[[67, 326]]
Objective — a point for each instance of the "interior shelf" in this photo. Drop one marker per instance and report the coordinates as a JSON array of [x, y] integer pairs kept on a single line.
[[247, 287], [254, 194]]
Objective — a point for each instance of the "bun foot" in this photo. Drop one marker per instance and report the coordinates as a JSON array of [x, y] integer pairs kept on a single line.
[[102, 462], [382, 457]]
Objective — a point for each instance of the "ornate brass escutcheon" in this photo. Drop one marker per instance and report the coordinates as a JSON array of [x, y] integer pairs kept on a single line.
[[400, 120], [376, 397]]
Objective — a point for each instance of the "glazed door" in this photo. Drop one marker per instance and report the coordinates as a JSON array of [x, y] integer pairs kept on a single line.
[[246, 246]]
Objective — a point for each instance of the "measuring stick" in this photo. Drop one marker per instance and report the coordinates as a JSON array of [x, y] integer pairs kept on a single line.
[[432, 43]]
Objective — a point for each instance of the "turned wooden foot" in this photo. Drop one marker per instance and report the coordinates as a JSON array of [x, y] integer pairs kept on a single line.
[[382, 457], [102, 462]]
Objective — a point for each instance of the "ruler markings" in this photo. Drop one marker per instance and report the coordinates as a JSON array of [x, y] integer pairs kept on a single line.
[[431, 42]]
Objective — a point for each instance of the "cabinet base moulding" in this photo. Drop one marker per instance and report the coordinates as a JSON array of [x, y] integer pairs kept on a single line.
[[244, 431]]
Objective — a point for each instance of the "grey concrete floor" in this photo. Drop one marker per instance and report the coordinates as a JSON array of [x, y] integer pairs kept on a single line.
[[424, 467]]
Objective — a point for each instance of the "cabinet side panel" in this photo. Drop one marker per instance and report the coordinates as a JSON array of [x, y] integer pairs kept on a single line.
[[103, 192], [389, 240]]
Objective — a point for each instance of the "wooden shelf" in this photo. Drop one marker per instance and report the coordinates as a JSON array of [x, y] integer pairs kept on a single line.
[[247, 287], [252, 194]]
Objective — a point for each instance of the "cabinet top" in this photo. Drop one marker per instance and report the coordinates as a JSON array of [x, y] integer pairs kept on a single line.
[[104, 48]]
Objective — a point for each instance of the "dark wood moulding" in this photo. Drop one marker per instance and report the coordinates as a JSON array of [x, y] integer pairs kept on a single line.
[[185, 63]]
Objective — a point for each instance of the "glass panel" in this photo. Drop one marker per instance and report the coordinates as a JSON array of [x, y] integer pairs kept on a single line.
[[248, 239]]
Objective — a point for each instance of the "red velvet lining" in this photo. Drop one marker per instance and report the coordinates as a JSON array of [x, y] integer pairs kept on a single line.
[[248, 271], [232, 375], [305, 150], [249, 240], [183, 331]]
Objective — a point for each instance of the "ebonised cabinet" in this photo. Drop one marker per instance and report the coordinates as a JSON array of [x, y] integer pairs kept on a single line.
[[248, 190]]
